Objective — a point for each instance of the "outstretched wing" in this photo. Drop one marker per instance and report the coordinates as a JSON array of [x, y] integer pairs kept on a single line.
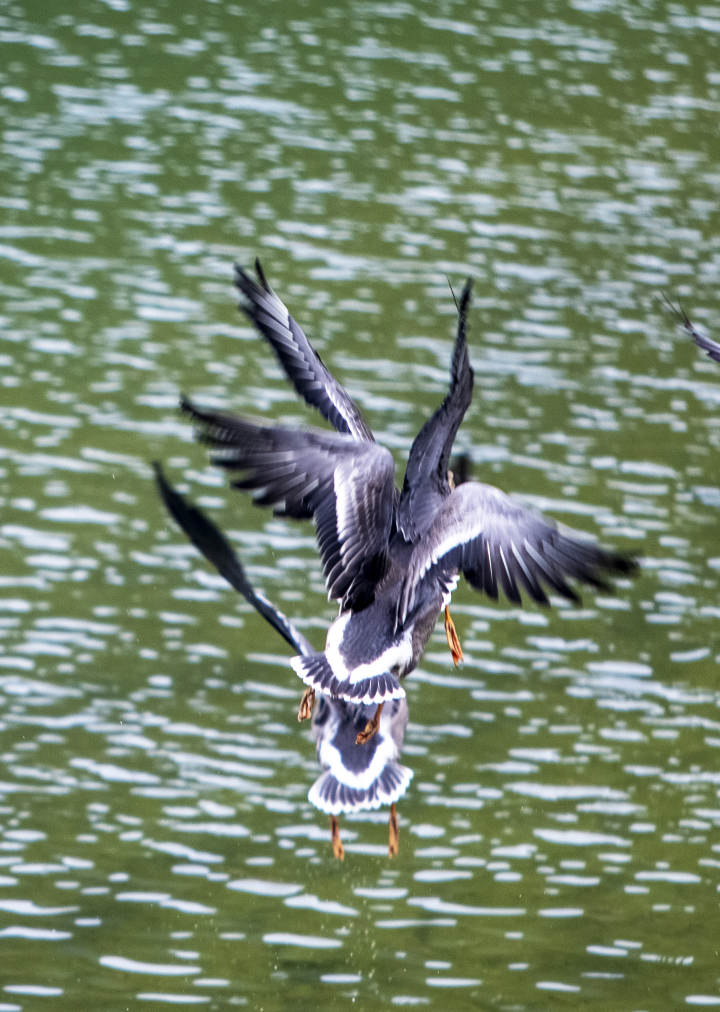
[[212, 543], [301, 362], [426, 477], [345, 485], [499, 545], [711, 348]]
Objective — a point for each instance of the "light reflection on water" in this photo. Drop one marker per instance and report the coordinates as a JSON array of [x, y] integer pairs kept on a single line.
[[560, 838]]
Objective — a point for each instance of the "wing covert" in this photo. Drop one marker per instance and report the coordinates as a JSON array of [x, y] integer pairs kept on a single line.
[[499, 545], [345, 485]]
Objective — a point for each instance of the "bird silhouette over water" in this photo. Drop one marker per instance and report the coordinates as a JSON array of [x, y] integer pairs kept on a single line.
[[391, 556]]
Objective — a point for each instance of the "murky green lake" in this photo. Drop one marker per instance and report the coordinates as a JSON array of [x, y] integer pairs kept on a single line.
[[560, 841]]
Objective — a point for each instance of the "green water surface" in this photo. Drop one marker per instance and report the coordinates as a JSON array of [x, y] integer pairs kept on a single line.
[[560, 840]]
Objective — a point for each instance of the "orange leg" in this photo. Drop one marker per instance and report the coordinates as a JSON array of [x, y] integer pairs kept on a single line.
[[394, 836], [370, 728], [452, 638], [306, 704], [338, 849]]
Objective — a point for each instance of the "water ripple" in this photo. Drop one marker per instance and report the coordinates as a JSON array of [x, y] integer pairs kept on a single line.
[[303, 941], [126, 965]]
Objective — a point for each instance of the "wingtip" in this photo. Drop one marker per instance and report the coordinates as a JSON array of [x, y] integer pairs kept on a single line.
[[246, 283], [466, 294], [240, 275], [617, 563], [704, 343], [186, 405], [189, 408], [195, 414], [250, 289], [677, 310], [261, 275], [171, 498], [460, 368], [628, 565]]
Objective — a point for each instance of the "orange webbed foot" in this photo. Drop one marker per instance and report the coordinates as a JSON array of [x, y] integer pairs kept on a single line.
[[306, 704], [371, 727], [452, 638]]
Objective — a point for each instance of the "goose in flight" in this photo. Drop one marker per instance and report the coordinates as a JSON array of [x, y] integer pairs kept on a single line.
[[391, 556], [353, 779]]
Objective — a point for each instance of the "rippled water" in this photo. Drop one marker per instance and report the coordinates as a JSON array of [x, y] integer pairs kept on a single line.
[[560, 841]]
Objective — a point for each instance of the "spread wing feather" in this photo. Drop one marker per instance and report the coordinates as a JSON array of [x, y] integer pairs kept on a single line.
[[499, 545], [304, 367], [212, 543], [426, 476], [346, 485], [710, 347]]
